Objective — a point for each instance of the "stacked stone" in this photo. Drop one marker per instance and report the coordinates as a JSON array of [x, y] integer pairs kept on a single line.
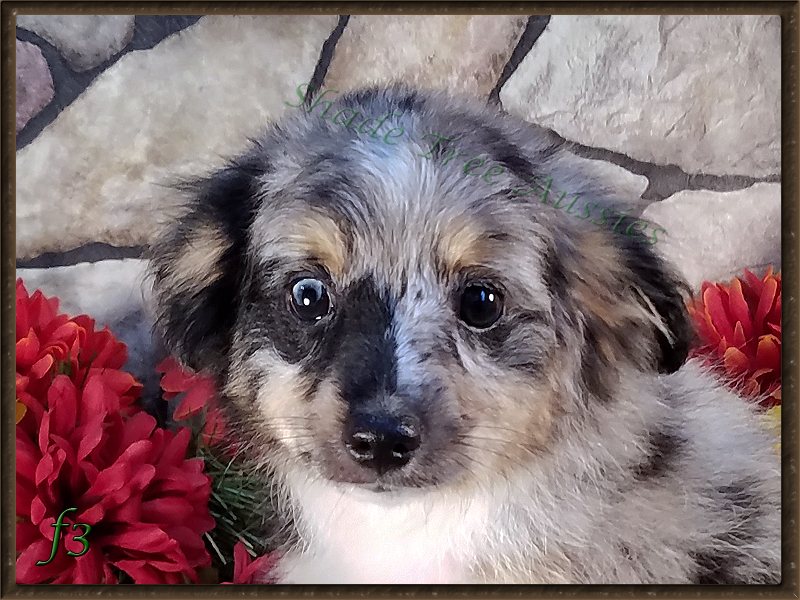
[[678, 114], [84, 42]]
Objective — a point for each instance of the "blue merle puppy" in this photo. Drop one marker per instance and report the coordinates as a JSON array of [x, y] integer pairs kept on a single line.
[[449, 379]]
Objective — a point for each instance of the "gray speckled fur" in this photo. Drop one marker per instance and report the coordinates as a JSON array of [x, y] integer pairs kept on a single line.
[[561, 445]]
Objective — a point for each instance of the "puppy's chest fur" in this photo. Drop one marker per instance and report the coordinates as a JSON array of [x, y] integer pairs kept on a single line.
[[354, 539], [516, 533]]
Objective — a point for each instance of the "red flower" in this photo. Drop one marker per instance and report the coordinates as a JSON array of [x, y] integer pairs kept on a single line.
[[49, 343], [200, 394], [247, 570], [84, 443], [146, 504], [740, 326]]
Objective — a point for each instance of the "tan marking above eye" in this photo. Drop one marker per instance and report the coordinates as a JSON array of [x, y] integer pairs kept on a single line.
[[318, 236], [462, 243]]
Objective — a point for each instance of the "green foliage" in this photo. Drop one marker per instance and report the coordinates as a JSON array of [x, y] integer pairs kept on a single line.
[[239, 502]]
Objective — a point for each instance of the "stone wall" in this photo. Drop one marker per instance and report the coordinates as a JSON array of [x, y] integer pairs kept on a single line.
[[680, 113]]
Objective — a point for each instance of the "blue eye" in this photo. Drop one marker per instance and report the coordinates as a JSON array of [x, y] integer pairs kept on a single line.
[[309, 299], [481, 306]]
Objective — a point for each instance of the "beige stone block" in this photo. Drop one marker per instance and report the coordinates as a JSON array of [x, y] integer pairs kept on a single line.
[[98, 172], [106, 290], [715, 235], [34, 83], [84, 41], [457, 53], [699, 91]]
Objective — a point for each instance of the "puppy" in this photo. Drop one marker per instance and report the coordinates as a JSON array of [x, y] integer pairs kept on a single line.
[[450, 378]]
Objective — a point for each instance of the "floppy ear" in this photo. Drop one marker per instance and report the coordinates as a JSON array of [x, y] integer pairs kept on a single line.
[[665, 298], [627, 303], [198, 264]]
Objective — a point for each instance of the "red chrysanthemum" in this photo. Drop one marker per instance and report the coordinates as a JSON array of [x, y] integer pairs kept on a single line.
[[199, 395], [49, 343], [83, 443], [739, 326], [247, 570]]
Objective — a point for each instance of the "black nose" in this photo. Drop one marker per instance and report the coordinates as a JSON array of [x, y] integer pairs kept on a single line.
[[381, 442]]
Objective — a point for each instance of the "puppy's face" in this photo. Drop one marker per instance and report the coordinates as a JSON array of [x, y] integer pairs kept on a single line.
[[377, 315]]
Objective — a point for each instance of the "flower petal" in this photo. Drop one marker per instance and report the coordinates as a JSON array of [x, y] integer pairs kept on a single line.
[[735, 361], [27, 350], [740, 312], [768, 354], [27, 569], [765, 303], [214, 428], [175, 450], [194, 401], [62, 397], [88, 567], [755, 282], [714, 301], [91, 433], [176, 379], [739, 337], [118, 475]]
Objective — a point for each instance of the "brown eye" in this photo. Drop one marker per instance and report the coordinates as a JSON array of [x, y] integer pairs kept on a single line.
[[481, 306], [309, 299]]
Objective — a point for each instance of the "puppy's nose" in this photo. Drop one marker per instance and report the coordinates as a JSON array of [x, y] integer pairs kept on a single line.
[[381, 442]]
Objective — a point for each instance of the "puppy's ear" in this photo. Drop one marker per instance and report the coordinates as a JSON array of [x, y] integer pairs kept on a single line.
[[628, 304], [197, 266], [664, 297]]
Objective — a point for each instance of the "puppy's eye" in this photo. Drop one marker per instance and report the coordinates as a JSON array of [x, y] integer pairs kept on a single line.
[[480, 306], [309, 299]]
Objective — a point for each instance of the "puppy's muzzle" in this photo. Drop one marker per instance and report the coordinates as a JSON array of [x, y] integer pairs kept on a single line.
[[381, 442]]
